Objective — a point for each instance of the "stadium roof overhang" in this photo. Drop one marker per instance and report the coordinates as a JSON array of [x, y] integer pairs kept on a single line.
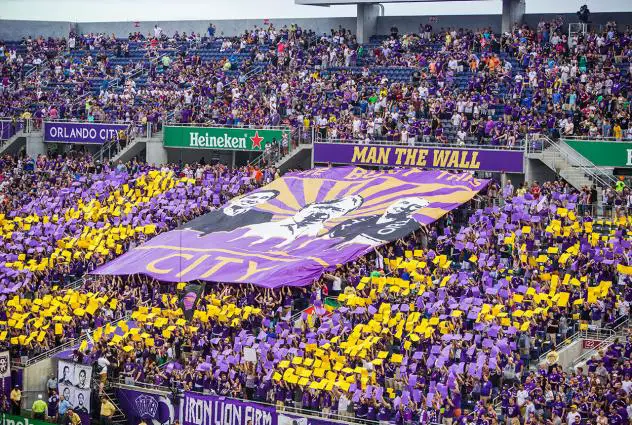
[[341, 2], [368, 12]]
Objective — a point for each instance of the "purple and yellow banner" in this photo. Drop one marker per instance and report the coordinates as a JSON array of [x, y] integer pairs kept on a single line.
[[426, 157], [292, 230], [76, 132]]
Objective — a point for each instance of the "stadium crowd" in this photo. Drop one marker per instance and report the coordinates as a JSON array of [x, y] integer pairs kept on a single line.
[[450, 86], [447, 325], [62, 217], [440, 326]]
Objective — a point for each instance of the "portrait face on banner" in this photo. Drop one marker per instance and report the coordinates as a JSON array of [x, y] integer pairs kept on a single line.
[[67, 391], [66, 373], [83, 376], [81, 400], [248, 202]]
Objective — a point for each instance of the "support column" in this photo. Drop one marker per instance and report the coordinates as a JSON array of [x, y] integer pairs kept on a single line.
[[35, 144], [155, 152], [513, 12], [366, 21]]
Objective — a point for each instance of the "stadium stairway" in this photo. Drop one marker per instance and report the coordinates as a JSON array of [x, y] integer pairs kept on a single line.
[[14, 144], [300, 157], [619, 334], [119, 417], [134, 148], [570, 165], [576, 350]]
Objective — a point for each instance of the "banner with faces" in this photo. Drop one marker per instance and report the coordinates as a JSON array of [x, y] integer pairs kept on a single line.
[[74, 384]]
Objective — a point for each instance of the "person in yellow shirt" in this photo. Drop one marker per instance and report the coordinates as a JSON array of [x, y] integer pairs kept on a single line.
[[39, 408], [107, 411], [617, 132], [72, 418], [16, 400]]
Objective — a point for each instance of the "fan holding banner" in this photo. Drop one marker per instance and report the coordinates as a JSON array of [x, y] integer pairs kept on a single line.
[[189, 299]]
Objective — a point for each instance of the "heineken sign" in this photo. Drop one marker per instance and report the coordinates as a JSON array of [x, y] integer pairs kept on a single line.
[[604, 154], [20, 420], [239, 139]]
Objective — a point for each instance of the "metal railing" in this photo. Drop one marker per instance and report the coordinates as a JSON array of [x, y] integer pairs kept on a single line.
[[417, 144], [110, 149], [9, 128], [596, 139], [543, 144], [255, 69], [207, 125], [65, 346], [618, 331], [594, 333]]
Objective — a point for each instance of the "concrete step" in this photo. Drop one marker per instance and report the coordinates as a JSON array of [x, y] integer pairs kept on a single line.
[[14, 143], [279, 163], [130, 151]]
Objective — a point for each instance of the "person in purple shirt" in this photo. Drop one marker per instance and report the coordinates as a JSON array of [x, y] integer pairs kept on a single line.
[[513, 410]]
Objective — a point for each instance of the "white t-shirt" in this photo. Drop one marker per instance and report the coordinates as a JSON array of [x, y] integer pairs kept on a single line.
[[343, 403], [570, 418], [336, 284], [104, 363], [521, 397]]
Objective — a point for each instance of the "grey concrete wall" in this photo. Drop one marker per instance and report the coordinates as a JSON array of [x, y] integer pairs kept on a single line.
[[15, 30], [622, 18], [536, 170], [407, 24], [224, 27]]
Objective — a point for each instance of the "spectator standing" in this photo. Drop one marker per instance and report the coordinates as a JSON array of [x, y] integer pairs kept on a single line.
[[107, 411], [64, 406], [16, 400], [39, 408]]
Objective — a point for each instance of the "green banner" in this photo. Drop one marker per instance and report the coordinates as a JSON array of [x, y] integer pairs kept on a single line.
[[20, 420], [604, 154], [235, 139]]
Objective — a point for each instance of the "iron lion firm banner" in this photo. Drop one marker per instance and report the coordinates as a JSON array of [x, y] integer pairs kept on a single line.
[[426, 157], [239, 139], [604, 154], [292, 230]]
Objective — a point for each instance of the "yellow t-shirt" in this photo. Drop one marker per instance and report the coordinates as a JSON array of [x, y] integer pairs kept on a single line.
[[107, 409]]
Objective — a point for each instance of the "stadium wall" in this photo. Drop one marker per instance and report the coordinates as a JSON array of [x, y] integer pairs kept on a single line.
[[15, 30]]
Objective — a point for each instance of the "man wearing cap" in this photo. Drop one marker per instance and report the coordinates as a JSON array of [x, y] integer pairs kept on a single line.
[[16, 399], [39, 408], [573, 416]]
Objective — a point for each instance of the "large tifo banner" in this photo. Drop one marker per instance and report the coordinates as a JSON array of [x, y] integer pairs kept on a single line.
[[74, 132], [426, 157], [202, 409], [241, 139], [292, 230], [604, 154]]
